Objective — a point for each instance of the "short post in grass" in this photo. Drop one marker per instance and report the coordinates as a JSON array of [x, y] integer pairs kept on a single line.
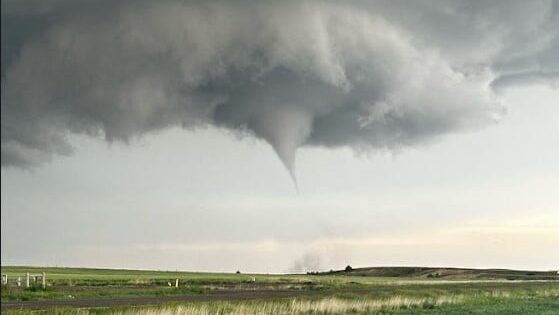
[[5, 279], [27, 280], [176, 283], [44, 280]]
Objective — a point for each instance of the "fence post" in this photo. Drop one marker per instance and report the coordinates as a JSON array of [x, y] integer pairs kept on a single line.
[[176, 283], [44, 280], [27, 280]]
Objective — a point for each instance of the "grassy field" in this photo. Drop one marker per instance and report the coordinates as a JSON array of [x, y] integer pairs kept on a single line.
[[361, 291]]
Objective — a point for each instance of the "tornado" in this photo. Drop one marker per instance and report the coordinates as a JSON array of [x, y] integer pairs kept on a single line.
[[292, 73]]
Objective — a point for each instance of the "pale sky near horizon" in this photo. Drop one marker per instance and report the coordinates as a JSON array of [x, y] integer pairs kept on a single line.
[[481, 199], [283, 136]]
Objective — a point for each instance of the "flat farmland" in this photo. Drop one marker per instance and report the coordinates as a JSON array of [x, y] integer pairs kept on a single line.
[[398, 290]]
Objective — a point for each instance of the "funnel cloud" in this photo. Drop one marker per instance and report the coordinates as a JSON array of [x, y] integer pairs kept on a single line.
[[365, 75]]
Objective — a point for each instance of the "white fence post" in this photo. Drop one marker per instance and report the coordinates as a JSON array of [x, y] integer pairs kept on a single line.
[[44, 280], [27, 280]]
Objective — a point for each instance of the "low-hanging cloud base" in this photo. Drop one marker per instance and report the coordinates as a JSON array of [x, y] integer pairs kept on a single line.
[[373, 75]]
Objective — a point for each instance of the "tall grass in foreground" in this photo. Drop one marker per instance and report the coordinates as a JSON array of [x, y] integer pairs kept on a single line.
[[331, 305], [356, 304], [515, 300]]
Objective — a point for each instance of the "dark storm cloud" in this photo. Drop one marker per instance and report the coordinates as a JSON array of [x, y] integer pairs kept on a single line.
[[367, 75]]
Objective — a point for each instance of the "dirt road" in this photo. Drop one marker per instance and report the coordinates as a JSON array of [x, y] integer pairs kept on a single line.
[[223, 295]]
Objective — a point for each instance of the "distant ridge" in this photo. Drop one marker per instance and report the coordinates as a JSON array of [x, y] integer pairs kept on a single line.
[[447, 273]]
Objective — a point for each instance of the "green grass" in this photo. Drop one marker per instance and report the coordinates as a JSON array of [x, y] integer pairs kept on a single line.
[[364, 276], [61, 273], [533, 306], [84, 288]]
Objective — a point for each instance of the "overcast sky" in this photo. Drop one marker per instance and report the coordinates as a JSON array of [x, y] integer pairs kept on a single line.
[[280, 137]]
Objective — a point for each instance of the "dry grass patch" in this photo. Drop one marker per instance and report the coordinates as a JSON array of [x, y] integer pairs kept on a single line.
[[297, 306]]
